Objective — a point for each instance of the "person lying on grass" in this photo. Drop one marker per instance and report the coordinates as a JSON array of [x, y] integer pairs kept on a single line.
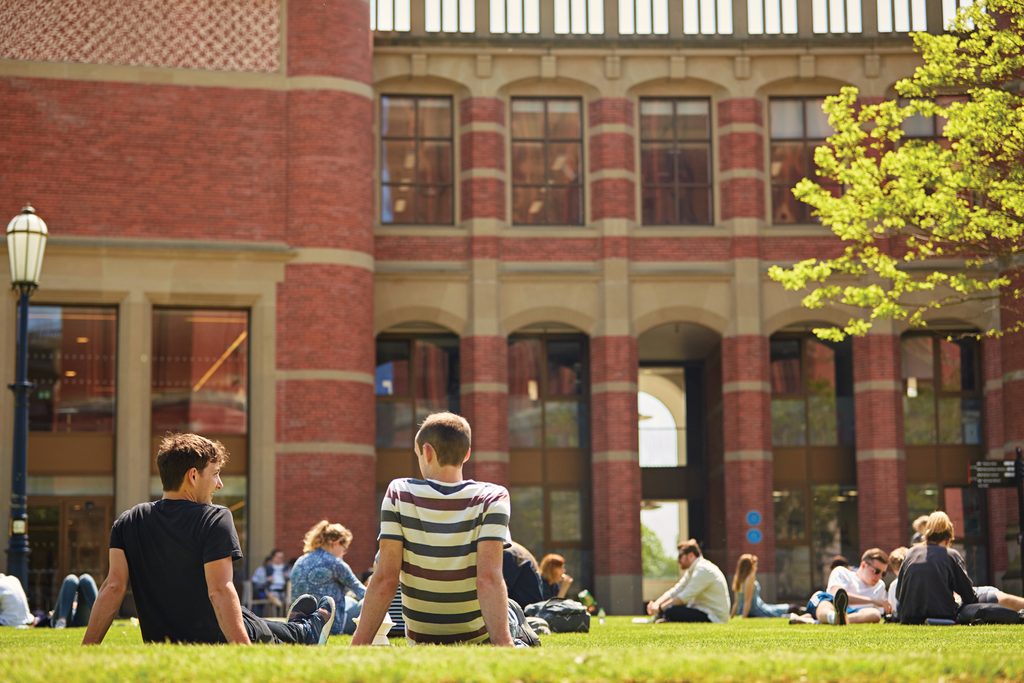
[[442, 537], [855, 597], [177, 554]]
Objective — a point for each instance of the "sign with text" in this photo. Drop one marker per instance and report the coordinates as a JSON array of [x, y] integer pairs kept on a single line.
[[988, 473]]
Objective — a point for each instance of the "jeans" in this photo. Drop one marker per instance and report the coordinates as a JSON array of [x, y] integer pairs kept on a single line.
[[75, 589], [278, 632]]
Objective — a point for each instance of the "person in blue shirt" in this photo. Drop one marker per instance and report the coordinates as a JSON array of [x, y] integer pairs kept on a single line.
[[748, 602], [322, 571]]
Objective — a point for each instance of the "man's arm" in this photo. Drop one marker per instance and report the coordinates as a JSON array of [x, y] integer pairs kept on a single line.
[[490, 590], [225, 600], [379, 591], [108, 602]]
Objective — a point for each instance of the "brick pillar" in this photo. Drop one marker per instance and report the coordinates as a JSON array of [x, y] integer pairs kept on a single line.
[[878, 426], [325, 347], [741, 166], [615, 498], [484, 368], [611, 170], [1003, 502], [746, 418]]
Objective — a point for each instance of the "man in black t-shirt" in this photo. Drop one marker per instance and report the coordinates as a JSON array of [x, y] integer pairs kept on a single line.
[[177, 553]]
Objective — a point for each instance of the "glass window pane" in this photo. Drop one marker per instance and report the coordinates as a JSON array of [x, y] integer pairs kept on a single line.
[[833, 524], [817, 121], [435, 117], [919, 413], [398, 164], [793, 568], [789, 162], [564, 119], [564, 205], [527, 521], [694, 164], [528, 165], [434, 376], [565, 368], [659, 206], [398, 204], [663, 523], [528, 205], [434, 204], [787, 121], [949, 365], [789, 422], [821, 393], [693, 120], [695, 206], [525, 422], [566, 515], [527, 118], [790, 515], [398, 116], [72, 360], [435, 163], [918, 126], [917, 360], [656, 163], [525, 359], [563, 425], [970, 414], [922, 500], [395, 425], [950, 420], [785, 207], [564, 163], [392, 375], [656, 120], [200, 371], [785, 367], [969, 364]]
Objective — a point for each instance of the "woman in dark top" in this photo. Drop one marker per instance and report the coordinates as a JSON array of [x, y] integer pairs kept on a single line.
[[931, 574]]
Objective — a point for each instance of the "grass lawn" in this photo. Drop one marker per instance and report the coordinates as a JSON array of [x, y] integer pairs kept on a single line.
[[747, 650]]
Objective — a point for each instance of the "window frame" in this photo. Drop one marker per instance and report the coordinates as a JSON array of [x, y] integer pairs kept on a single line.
[[803, 216]]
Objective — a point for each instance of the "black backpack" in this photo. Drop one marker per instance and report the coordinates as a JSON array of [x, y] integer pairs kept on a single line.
[[987, 613], [562, 615]]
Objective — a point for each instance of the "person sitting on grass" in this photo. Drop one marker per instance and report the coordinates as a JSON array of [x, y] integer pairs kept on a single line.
[[931, 574], [556, 581], [177, 553], [14, 610], [701, 595], [747, 601], [322, 570], [519, 570], [896, 558], [442, 538], [855, 597], [74, 602]]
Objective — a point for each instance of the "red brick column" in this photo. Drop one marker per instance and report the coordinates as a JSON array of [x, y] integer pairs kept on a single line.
[[484, 381], [741, 164], [482, 158], [746, 418], [881, 463], [611, 166], [1002, 502], [325, 348], [615, 485]]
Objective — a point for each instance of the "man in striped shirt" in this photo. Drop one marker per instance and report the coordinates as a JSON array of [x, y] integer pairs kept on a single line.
[[442, 537]]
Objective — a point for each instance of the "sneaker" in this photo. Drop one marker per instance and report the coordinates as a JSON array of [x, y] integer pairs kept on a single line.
[[526, 632], [302, 607], [841, 600], [60, 623], [320, 621]]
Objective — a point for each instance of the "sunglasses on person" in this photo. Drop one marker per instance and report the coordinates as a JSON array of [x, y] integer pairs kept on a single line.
[[876, 570]]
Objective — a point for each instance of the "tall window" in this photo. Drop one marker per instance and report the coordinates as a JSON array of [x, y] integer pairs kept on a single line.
[[942, 391], [548, 415], [200, 383], [798, 125], [812, 392], [416, 160], [547, 161], [675, 161]]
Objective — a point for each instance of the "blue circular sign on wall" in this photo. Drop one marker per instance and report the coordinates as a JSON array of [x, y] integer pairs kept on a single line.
[[753, 518], [754, 536]]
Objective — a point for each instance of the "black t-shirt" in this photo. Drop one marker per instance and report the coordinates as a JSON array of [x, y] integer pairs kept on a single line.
[[167, 542]]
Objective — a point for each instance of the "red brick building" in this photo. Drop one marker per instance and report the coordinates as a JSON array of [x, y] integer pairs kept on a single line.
[[301, 226]]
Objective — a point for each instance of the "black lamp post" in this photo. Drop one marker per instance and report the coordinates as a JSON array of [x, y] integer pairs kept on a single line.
[[26, 242]]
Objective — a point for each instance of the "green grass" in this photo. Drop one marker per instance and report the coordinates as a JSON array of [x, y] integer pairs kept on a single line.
[[748, 650]]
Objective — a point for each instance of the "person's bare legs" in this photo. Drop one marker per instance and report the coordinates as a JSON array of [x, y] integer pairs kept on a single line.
[[868, 615], [1014, 602], [825, 609]]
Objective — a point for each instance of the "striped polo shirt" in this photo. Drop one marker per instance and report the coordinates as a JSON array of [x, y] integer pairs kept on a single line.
[[439, 526]]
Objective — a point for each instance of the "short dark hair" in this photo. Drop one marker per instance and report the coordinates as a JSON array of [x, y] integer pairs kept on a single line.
[[178, 453], [448, 434], [875, 554], [689, 547]]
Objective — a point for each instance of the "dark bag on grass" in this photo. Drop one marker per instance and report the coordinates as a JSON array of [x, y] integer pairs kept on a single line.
[[562, 615], [987, 613]]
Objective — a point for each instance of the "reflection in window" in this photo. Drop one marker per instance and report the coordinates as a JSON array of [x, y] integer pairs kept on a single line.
[[546, 385], [941, 390], [72, 361], [812, 392], [808, 537], [675, 161], [416, 160], [798, 126], [527, 521], [547, 161], [566, 515], [663, 524], [414, 377]]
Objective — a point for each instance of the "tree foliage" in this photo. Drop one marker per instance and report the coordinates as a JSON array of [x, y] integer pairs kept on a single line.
[[926, 223]]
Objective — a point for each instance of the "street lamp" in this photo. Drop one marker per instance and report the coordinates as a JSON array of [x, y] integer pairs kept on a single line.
[[26, 242]]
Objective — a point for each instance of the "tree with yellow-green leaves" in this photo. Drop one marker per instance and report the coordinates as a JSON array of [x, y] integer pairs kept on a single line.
[[926, 223]]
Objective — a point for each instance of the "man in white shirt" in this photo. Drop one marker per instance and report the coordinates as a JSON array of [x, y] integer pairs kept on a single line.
[[855, 597], [701, 595], [14, 609]]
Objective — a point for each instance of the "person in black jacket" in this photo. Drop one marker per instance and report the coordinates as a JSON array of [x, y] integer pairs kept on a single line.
[[519, 569], [931, 574]]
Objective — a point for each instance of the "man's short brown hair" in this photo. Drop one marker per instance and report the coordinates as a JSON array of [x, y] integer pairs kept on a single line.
[[689, 547], [178, 453], [875, 554], [448, 434]]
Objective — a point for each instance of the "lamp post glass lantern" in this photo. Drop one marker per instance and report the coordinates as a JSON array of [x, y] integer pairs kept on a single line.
[[26, 243]]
